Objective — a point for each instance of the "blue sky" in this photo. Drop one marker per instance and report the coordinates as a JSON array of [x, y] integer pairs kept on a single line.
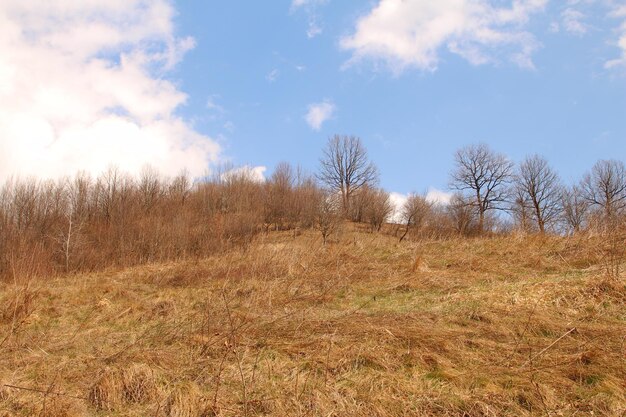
[[234, 81]]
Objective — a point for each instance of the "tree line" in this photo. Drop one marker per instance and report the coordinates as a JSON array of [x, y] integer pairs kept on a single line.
[[86, 224], [485, 184]]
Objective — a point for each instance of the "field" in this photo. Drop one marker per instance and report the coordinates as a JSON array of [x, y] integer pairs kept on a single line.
[[363, 326]]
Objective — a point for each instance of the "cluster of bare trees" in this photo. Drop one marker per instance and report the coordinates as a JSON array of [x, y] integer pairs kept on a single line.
[[534, 194], [84, 223], [88, 223], [531, 195]]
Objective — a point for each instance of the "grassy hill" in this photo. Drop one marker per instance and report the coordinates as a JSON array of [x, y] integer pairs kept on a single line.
[[499, 326]]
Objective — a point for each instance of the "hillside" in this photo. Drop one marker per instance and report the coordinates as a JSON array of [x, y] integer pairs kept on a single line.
[[500, 326]]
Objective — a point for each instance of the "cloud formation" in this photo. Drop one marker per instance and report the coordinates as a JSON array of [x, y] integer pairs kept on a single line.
[[314, 26], [272, 75], [319, 113], [572, 20], [397, 203], [412, 33], [619, 12], [433, 196], [437, 196], [256, 174], [83, 86], [306, 3]]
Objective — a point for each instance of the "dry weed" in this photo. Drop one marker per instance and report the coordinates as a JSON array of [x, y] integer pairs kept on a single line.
[[107, 393], [491, 327], [185, 400]]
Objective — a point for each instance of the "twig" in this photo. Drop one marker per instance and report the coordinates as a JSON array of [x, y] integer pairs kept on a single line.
[[45, 392], [548, 347], [235, 351]]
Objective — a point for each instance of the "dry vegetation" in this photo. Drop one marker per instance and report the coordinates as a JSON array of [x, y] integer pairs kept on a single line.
[[226, 296], [493, 326]]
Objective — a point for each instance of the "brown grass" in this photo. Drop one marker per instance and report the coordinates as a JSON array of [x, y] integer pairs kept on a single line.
[[365, 326]]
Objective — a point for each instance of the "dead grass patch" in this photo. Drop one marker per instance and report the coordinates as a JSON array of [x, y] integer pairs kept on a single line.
[[491, 327]]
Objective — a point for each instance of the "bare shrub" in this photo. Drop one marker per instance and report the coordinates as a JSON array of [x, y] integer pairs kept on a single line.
[[328, 214], [115, 220], [414, 213], [371, 206]]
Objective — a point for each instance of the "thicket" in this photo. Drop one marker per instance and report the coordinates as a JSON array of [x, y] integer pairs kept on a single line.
[[85, 224]]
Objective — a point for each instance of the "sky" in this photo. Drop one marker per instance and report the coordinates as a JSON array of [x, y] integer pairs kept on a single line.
[[182, 85]]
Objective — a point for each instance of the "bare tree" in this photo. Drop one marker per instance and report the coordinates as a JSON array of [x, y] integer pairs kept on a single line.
[[414, 212], [575, 208], [346, 168], [521, 209], [484, 174], [378, 208], [180, 187], [305, 200], [328, 218], [539, 188], [605, 186], [462, 214], [278, 195], [150, 188]]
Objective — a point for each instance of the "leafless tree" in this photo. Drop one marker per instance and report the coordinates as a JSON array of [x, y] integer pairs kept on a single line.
[[521, 209], [539, 188], [180, 187], [484, 175], [107, 192], [575, 208], [346, 168], [378, 208], [305, 200], [372, 206], [150, 188], [328, 217], [80, 195], [462, 213], [277, 198], [605, 187], [414, 213]]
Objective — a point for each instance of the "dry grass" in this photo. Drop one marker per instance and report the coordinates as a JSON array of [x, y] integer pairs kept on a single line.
[[364, 326]]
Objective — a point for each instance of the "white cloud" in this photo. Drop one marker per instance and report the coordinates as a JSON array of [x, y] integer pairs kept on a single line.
[[256, 174], [405, 34], [314, 29], [573, 21], [319, 113], [212, 104], [310, 6], [272, 75], [436, 196], [554, 27], [229, 126], [82, 87], [306, 3], [619, 12], [397, 202]]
